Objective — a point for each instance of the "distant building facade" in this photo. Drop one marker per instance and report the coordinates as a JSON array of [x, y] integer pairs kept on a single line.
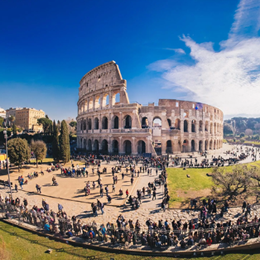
[[2, 112], [26, 118]]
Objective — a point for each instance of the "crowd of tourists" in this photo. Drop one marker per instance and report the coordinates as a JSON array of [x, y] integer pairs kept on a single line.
[[203, 230]]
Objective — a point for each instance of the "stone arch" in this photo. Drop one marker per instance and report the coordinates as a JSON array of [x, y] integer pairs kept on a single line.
[[141, 147], [115, 122], [104, 146], [185, 126], [169, 147], [200, 145], [177, 124], [127, 147], [193, 146], [85, 144], [185, 146], [206, 145], [157, 121], [84, 125], [105, 100], [104, 122], [89, 124], [169, 122], [115, 98], [193, 126], [96, 146], [206, 126], [128, 122], [214, 145], [89, 145], [200, 125], [90, 104], [145, 123], [210, 128], [115, 147], [210, 145], [96, 123]]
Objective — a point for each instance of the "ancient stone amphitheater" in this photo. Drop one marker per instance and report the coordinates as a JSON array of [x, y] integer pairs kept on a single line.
[[108, 123]]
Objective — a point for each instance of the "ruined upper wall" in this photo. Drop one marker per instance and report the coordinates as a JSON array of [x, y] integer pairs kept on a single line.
[[103, 76]]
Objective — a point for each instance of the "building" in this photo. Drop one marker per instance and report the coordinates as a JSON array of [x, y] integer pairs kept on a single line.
[[2, 112], [108, 123], [26, 118]]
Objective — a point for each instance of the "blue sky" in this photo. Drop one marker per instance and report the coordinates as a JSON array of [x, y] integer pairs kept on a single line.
[[207, 51]]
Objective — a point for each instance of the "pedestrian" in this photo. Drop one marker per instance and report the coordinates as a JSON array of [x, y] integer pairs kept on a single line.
[[154, 195], [16, 187], [127, 192]]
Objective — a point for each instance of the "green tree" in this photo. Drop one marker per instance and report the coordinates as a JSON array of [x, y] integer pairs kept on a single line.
[[14, 130], [64, 142], [39, 149], [46, 124], [1, 121], [55, 143], [11, 119], [73, 124], [18, 151]]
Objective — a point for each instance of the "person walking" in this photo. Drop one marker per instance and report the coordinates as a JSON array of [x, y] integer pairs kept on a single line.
[[154, 195], [127, 193]]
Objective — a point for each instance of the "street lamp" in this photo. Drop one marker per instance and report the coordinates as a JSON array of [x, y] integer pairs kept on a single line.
[[5, 124]]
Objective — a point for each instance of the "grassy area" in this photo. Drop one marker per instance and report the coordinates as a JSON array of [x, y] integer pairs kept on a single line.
[[45, 160], [252, 142], [182, 188], [16, 243]]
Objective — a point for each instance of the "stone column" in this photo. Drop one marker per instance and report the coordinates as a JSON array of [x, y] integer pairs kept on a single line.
[[134, 145], [120, 125], [120, 145]]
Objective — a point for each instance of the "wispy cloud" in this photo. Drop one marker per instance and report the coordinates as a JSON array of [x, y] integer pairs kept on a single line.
[[178, 50], [228, 79]]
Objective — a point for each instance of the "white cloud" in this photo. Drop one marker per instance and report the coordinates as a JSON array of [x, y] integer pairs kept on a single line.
[[179, 50], [228, 79]]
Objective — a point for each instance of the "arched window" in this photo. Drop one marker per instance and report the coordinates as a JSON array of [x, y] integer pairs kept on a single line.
[[89, 145], [193, 126], [89, 124], [104, 145], [200, 146], [169, 122], [116, 122], [115, 147], [104, 123], [169, 146], [128, 122], [96, 123], [177, 124], [96, 146], [192, 145], [141, 147], [127, 147], [157, 122], [185, 127], [200, 125], [145, 122]]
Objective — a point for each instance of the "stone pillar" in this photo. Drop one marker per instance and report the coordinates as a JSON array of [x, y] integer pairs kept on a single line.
[[163, 145], [109, 145], [182, 125], [134, 146], [110, 117], [120, 125], [120, 146], [110, 99]]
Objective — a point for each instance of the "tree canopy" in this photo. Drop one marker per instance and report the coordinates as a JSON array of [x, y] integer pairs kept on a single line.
[[39, 149], [46, 124], [64, 142], [18, 151], [55, 143]]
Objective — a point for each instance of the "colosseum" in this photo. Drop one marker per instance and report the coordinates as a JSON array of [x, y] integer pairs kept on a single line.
[[108, 123]]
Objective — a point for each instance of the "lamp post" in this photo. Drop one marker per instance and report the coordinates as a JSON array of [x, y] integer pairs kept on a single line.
[[7, 163]]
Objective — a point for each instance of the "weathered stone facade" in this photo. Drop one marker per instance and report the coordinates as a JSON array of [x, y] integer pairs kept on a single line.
[[109, 125]]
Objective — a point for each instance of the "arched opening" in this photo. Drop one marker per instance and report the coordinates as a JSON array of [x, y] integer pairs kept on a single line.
[[97, 102], [185, 146], [89, 145], [177, 124], [116, 122], [115, 147], [158, 147], [210, 145], [127, 147], [85, 144], [104, 123], [200, 146], [214, 145], [104, 145], [84, 125], [128, 122], [145, 122], [169, 146], [90, 104], [116, 99], [185, 126], [193, 126], [105, 101], [193, 146], [96, 146], [211, 128], [169, 122], [81, 125], [200, 125], [206, 145], [141, 147], [96, 123], [157, 122], [206, 126], [89, 124]]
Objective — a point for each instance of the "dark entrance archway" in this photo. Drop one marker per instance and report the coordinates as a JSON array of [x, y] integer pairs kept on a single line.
[[141, 147], [127, 147], [115, 147], [169, 146], [104, 145]]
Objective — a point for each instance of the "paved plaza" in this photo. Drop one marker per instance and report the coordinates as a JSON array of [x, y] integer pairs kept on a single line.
[[70, 192]]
